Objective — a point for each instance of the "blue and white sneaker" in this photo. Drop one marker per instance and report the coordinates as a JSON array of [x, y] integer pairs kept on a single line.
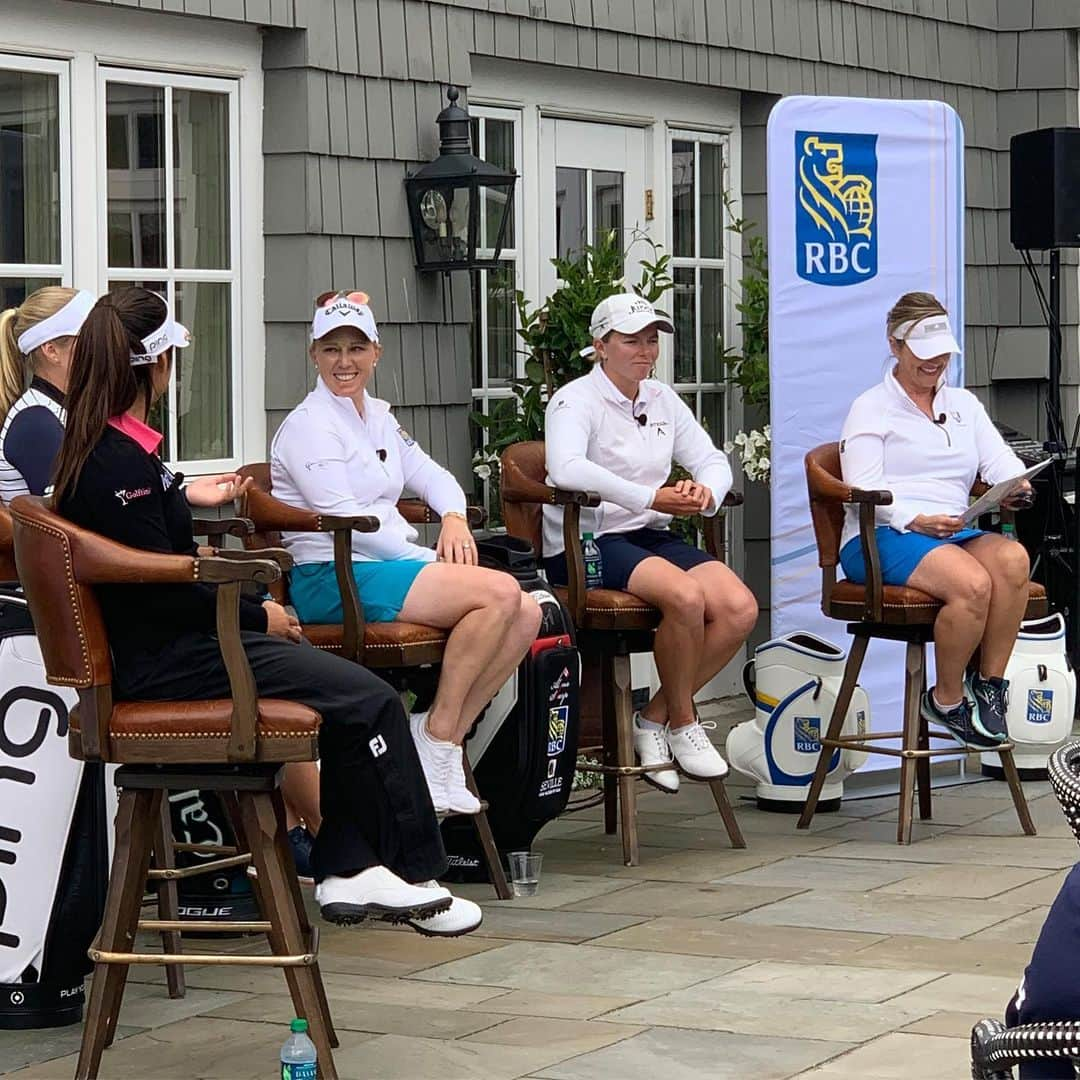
[[959, 721], [991, 696]]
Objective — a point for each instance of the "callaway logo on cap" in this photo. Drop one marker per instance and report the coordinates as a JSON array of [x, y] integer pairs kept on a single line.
[[334, 309]]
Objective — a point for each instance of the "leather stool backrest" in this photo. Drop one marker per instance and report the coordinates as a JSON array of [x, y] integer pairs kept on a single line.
[[523, 475], [827, 490], [7, 547]]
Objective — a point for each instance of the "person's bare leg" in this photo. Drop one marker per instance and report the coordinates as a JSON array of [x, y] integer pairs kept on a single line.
[[730, 614], [480, 609], [1007, 563], [679, 640], [300, 790], [956, 578], [518, 641]]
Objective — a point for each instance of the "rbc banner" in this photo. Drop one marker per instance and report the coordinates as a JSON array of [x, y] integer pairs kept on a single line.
[[866, 202]]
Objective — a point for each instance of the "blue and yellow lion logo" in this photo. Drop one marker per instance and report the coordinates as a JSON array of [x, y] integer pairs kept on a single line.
[[1040, 706], [836, 212]]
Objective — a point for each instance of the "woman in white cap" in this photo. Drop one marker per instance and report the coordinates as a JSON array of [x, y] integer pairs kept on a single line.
[[617, 431], [36, 339], [341, 451], [379, 848], [926, 442]]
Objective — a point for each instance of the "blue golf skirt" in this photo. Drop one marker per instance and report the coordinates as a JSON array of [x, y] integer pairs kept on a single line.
[[900, 553], [383, 586]]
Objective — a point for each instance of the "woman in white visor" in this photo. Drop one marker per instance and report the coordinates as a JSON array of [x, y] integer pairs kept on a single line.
[[36, 341], [926, 442], [341, 451]]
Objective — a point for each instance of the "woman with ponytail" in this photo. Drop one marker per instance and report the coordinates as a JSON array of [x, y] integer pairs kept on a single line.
[[378, 848], [36, 342]]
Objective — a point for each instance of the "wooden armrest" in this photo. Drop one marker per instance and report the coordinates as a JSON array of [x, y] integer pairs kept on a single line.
[[364, 523], [732, 498], [214, 527], [417, 512], [278, 555], [270, 514], [216, 570], [872, 498]]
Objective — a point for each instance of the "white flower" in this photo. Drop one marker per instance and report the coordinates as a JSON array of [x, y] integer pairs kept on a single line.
[[740, 439], [728, 446], [483, 471]]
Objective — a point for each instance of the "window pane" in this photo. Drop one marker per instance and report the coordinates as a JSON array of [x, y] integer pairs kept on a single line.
[[499, 150], [682, 198], [501, 325], [29, 167], [136, 207], [712, 201], [203, 371], [476, 329], [607, 204], [712, 415], [201, 179], [13, 291], [570, 214], [711, 299], [685, 344]]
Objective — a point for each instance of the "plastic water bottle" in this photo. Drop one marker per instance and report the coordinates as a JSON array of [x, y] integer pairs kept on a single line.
[[594, 566], [298, 1055], [1008, 530]]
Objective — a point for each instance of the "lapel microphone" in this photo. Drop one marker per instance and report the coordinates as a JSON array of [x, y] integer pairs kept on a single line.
[[940, 419], [381, 454], [642, 419]]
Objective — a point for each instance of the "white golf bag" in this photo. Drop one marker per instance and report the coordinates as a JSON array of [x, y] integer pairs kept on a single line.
[[793, 682], [1042, 697]]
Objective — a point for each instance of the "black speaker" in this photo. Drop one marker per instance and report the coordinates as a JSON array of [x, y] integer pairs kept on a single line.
[[1044, 168]]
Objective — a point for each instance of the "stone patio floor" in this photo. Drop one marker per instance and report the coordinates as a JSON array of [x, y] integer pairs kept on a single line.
[[833, 954]]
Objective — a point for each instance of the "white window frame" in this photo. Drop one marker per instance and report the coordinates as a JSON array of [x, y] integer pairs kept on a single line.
[[696, 263], [172, 275], [61, 69], [160, 43]]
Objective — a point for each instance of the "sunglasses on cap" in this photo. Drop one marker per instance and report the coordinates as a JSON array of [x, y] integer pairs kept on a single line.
[[327, 298]]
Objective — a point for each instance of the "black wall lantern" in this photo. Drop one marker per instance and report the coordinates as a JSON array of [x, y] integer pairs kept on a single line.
[[458, 204]]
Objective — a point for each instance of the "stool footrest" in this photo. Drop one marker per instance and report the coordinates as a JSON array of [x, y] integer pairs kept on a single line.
[[178, 873], [206, 927]]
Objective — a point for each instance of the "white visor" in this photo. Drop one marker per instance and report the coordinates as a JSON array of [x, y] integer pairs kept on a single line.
[[928, 337], [341, 311], [67, 322], [169, 335]]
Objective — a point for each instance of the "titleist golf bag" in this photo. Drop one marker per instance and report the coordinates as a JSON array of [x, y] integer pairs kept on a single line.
[[56, 817], [523, 749]]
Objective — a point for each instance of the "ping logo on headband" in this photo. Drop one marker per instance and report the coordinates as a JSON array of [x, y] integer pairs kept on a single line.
[[835, 207]]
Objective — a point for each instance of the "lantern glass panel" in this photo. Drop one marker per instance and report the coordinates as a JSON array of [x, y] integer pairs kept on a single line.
[[444, 217]]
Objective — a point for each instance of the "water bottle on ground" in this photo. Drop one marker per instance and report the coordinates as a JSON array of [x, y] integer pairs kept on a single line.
[[594, 567], [298, 1054]]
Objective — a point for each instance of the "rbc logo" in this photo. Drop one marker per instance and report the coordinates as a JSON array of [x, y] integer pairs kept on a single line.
[[558, 719], [808, 734], [835, 207], [1040, 706]]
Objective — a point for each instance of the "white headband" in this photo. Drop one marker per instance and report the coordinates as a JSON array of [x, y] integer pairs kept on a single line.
[[67, 322], [170, 334]]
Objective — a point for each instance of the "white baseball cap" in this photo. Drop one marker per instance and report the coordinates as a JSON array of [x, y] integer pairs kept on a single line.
[[928, 337], [628, 313], [334, 309]]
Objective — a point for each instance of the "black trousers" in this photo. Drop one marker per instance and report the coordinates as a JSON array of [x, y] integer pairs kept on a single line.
[[376, 808]]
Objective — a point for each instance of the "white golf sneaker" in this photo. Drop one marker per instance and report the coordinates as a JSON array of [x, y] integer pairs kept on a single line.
[[377, 893], [436, 757], [459, 799], [695, 753], [461, 917], [652, 748]]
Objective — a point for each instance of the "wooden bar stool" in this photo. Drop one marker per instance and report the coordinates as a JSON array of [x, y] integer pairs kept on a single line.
[[235, 746], [611, 625], [896, 613]]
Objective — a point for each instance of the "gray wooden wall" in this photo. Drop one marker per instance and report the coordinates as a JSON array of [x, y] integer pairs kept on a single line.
[[353, 86]]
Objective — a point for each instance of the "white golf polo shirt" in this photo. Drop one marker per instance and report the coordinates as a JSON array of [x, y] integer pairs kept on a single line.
[[928, 465], [597, 439], [328, 458]]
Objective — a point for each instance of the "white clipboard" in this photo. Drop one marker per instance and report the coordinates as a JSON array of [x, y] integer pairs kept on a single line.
[[993, 498]]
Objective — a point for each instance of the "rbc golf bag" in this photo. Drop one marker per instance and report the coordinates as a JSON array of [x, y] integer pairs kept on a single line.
[[56, 818], [1042, 697], [523, 749], [793, 682]]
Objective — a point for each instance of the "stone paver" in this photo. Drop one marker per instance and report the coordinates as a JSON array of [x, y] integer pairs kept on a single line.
[[831, 953]]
